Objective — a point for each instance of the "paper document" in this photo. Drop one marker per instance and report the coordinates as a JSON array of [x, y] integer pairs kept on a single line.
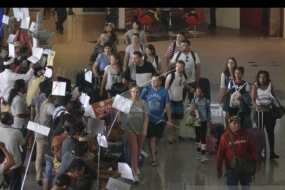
[[25, 12], [88, 76], [35, 43], [114, 184], [38, 128], [5, 20], [12, 50], [50, 58], [84, 99], [11, 39], [102, 140], [37, 54], [58, 88], [25, 23], [123, 104], [16, 12], [32, 26], [48, 72], [125, 170]]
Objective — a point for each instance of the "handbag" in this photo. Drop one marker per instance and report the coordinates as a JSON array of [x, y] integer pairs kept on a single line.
[[240, 165], [116, 132], [118, 88], [277, 111]]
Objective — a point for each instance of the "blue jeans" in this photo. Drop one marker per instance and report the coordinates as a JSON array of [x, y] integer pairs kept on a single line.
[[233, 178], [49, 166]]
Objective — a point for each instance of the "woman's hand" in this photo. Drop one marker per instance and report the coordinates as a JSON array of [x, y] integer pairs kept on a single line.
[[258, 108], [144, 132]]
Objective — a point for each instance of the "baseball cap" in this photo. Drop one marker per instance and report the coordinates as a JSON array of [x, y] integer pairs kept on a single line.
[[104, 35], [62, 180], [234, 118]]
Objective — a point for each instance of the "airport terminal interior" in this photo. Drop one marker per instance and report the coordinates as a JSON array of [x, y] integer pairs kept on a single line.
[[177, 168]]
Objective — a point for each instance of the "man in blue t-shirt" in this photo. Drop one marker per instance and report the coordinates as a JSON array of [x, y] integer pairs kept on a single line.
[[158, 102]]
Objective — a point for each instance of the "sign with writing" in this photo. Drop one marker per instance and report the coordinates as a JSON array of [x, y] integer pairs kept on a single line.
[[103, 106], [129, 14]]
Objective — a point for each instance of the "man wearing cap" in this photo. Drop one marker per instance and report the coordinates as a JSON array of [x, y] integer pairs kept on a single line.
[[244, 146], [8, 77], [99, 48]]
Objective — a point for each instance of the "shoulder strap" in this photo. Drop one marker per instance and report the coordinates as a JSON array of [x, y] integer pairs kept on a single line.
[[141, 47], [232, 143], [193, 55], [156, 59], [178, 55], [172, 78], [173, 49], [145, 58], [146, 92]]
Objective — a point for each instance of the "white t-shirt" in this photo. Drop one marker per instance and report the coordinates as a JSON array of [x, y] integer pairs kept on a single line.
[[154, 63], [12, 138], [112, 77], [263, 97], [189, 65], [130, 50], [175, 91]]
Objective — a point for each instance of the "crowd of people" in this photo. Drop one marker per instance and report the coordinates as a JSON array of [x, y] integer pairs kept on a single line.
[[70, 151]]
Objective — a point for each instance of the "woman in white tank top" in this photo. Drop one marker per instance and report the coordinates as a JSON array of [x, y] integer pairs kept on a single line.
[[262, 95]]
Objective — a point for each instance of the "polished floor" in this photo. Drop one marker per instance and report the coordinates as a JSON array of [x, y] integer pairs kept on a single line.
[[177, 168]]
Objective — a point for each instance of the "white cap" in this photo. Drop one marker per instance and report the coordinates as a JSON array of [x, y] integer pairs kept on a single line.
[[9, 62], [104, 35]]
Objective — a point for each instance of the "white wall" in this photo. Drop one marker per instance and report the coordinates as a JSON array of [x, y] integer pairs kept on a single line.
[[225, 17]]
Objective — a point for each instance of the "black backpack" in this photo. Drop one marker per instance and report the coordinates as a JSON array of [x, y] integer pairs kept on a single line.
[[155, 57]]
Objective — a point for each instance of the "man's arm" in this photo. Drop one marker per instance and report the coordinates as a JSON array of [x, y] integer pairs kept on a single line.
[[10, 161]]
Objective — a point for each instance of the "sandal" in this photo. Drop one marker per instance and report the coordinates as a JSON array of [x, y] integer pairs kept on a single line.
[[153, 163]]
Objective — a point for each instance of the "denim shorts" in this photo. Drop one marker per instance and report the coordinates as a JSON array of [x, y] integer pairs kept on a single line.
[[49, 166], [177, 109]]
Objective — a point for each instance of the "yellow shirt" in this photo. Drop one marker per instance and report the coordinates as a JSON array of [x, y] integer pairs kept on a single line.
[[34, 89]]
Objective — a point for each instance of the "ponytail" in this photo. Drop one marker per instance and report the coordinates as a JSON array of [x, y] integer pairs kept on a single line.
[[18, 85]]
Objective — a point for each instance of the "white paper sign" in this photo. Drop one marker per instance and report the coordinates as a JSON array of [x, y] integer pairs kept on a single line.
[[125, 170], [58, 88], [46, 51], [38, 128], [48, 72], [123, 104], [25, 23], [16, 13], [25, 12], [84, 99], [32, 26], [11, 39], [88, 76], [37, 52], [114, 184], [102, 140], [12, 50], [5, 20], [35, 43]]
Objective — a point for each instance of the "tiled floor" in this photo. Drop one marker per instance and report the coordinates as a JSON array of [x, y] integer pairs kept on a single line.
[[177, 167]]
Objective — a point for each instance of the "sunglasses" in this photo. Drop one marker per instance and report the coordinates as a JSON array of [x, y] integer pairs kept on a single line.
[[180, 82]]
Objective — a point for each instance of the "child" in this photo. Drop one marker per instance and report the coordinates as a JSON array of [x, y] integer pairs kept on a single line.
[[203, 106], [194, 118]]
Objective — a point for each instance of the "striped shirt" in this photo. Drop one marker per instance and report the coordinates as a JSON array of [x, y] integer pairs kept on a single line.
[[170, 49]]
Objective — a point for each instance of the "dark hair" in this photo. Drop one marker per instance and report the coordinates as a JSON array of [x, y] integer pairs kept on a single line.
[[84, 182], [204, 90], [150, 47], [134, 85], [181, 62], [138, 53], [187, 42], [112, 31], [2, 154], [227, 70], [266, 73], [138, 23], [241, 69], [18, 85], [76, 165], [107, 44], [181, 33], [77, 128], [5, 117], [73, 105], [136, 34], [65, 117], [44, 85], [119, 67], [37, 69], [76, 113], [157, 75], [23, 49], [80, 148], [48, 92], [63, 180], [64, 100], [71, 121]]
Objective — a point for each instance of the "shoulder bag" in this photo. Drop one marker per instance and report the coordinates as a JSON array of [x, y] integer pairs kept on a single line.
[[240, 165], [277, 111]]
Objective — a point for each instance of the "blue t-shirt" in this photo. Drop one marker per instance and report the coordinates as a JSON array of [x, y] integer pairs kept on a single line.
[[102, 61], [156, 101]]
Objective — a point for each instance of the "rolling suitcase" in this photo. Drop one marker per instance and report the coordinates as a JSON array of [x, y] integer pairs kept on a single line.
[[210, 143], [184, 130], [115, 150], [81, 82], [95, 93], [218, 125], [258, 138], [128, 154]]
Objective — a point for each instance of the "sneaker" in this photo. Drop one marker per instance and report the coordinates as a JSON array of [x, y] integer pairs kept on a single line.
[[136, 179], [204, 158], [198, 157]]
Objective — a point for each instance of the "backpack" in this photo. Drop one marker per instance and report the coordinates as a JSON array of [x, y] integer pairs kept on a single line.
[[234, 102], [56, 147], [173, 49], [155, 58], [116, 132], [172, 73]]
